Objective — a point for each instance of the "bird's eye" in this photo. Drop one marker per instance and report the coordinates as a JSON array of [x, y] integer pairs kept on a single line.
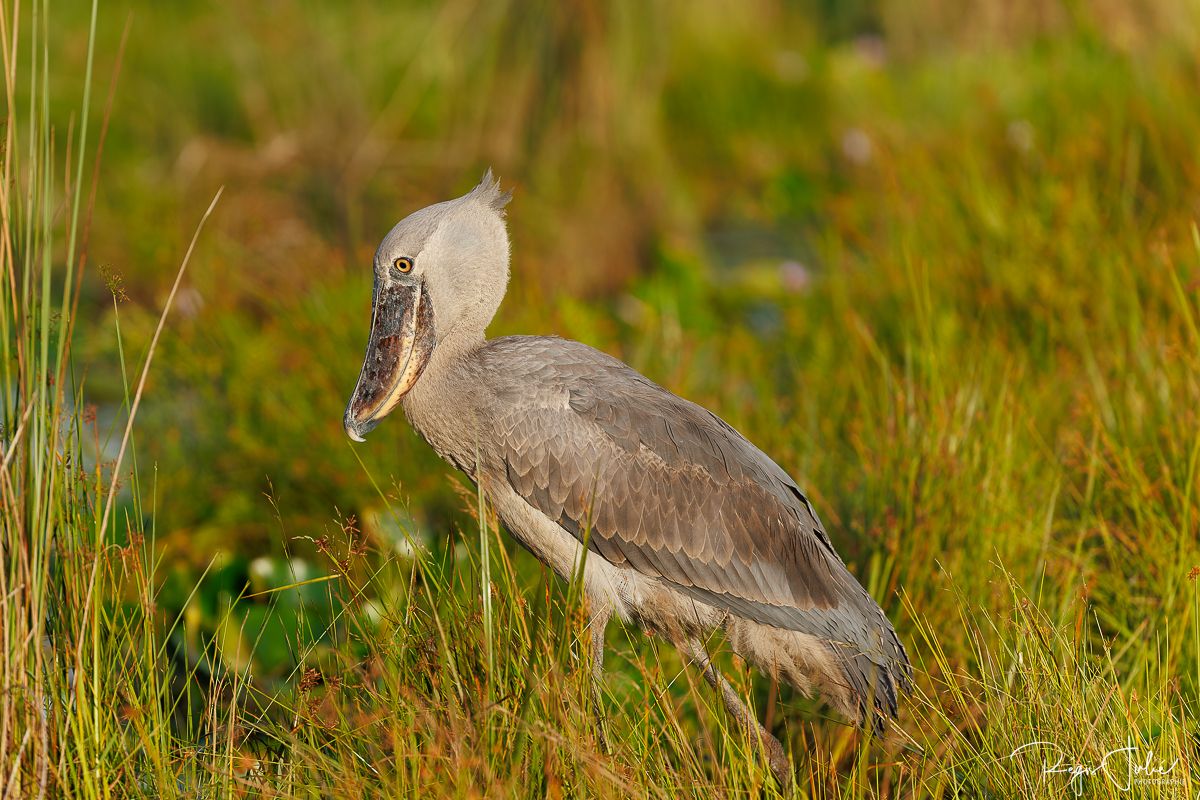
[[403, 264]]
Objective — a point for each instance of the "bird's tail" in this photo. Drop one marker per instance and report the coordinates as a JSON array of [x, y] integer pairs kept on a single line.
[[863, 681], [873, 680]]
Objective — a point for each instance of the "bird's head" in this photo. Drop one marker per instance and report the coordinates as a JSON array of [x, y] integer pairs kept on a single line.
[[440, 275]]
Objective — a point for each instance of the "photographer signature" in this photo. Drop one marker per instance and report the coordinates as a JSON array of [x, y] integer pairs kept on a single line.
[[1121, 766]]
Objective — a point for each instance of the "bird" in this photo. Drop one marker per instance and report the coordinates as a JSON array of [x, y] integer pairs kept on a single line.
[[680, 525]]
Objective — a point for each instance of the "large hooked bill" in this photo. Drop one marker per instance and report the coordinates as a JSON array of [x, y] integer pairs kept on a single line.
[[402, 338]]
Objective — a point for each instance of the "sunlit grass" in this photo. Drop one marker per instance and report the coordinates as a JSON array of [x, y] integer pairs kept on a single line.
[[954, 289]]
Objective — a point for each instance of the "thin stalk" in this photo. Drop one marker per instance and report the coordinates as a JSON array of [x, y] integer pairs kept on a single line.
[[485, 579]]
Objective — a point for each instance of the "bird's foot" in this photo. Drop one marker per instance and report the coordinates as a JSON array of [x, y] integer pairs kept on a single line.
[[601, 720], [602, 736], [780, 764]]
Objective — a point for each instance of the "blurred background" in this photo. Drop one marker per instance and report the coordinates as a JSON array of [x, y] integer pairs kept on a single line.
[[934, 257]]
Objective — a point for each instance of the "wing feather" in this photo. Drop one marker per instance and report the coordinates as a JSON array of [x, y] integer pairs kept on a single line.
[[672, 491]]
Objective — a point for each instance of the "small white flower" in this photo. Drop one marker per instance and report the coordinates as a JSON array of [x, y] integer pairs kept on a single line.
[[794, 276], [856, 146]]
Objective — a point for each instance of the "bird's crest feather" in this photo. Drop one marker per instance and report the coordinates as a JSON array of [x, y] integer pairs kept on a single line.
[[488, 192]]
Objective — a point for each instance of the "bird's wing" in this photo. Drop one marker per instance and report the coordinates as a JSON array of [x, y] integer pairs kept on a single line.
[[662, 485]]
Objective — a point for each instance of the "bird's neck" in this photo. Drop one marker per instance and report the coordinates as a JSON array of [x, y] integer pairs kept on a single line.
[[441, 405], [456, 344]]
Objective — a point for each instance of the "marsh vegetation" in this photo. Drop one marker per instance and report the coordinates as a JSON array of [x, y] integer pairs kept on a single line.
[[940, 261]]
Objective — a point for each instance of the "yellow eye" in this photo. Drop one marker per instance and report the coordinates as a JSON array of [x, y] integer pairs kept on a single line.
[[403, 264]]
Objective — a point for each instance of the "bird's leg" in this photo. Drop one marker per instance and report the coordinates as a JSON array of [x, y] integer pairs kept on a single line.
[[601, 613], [777, 759]]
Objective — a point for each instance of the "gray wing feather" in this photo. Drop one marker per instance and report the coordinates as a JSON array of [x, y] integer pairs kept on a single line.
[[667, 488]]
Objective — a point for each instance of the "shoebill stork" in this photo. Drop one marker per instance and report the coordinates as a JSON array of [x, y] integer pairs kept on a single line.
[[689, 528]]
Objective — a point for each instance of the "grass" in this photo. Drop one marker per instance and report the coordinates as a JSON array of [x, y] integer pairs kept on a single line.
[[944, 268]]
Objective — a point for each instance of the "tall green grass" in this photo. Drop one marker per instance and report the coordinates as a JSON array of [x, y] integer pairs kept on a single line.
[[987, 374], [47, 517]]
